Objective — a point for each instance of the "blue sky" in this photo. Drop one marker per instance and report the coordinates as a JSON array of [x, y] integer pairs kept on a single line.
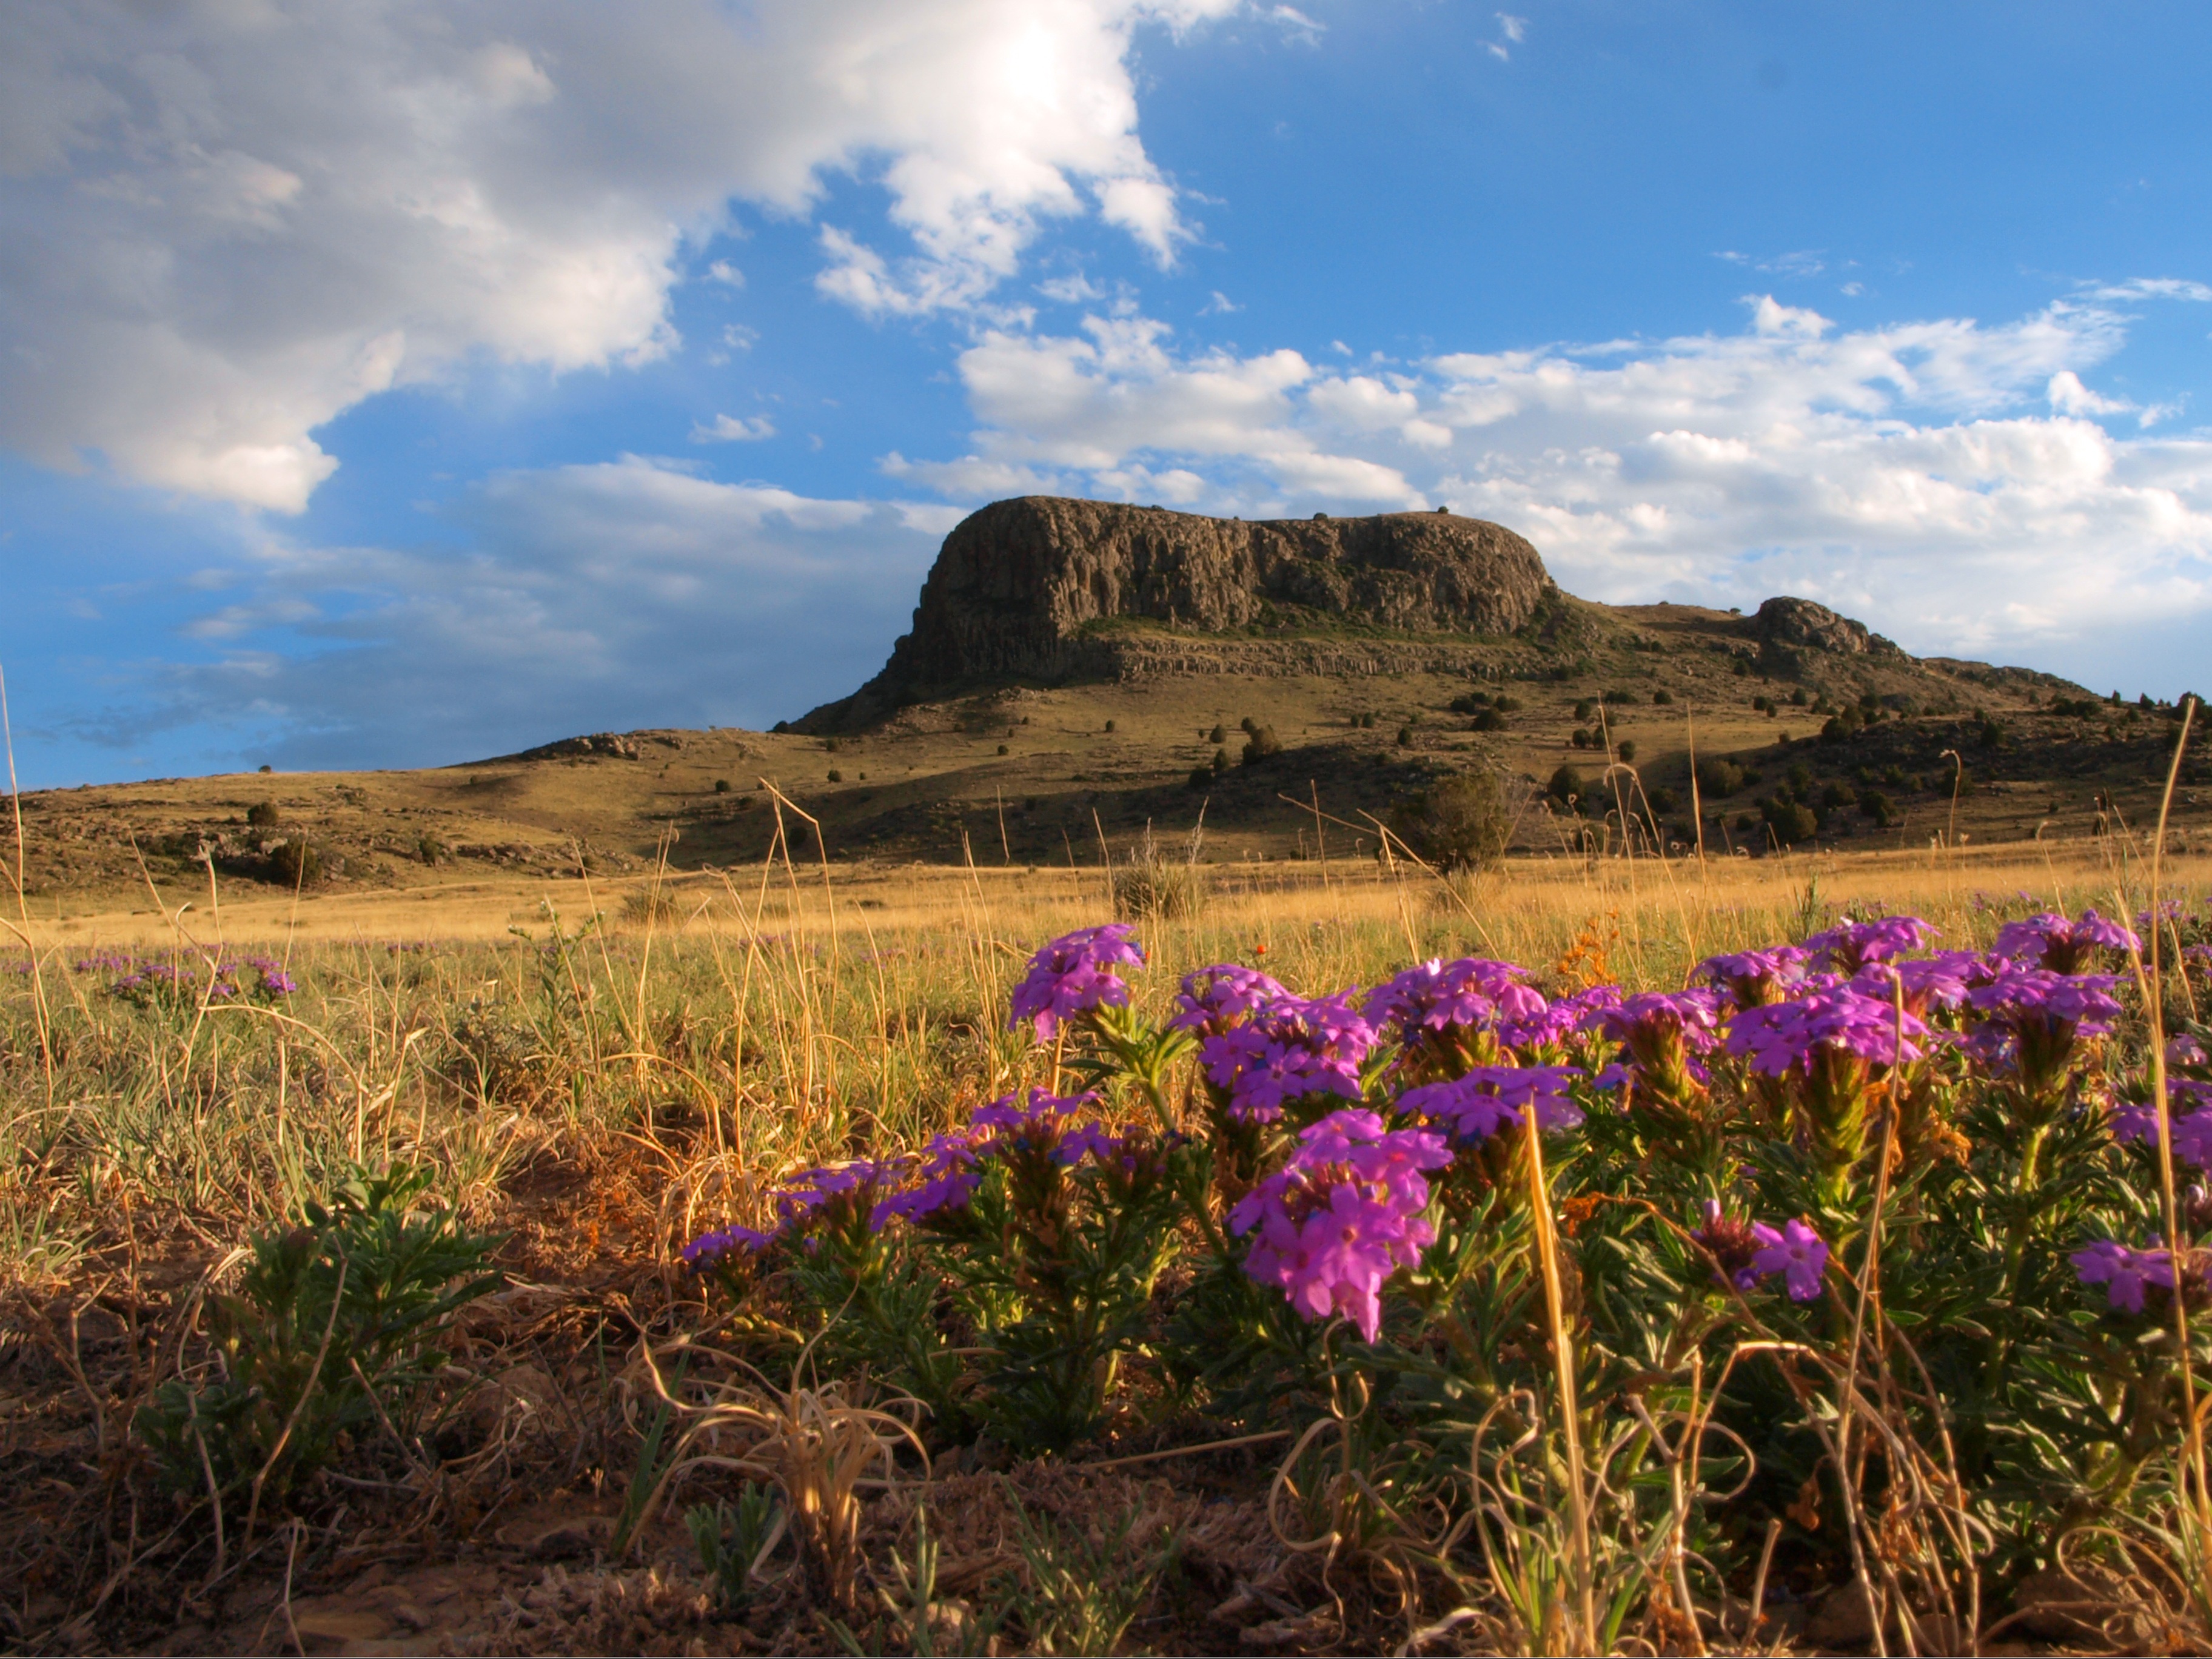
[[401, 383]]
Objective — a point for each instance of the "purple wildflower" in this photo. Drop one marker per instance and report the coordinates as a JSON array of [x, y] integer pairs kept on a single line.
[[1294, 1048], [1796, 1253], [708, 1249], [1473, 992], [1213, 1000], [1735, 1244], [1751, 979], [1942, 981], [1849, 946], [1490, 1098], [2185, 1051], [2126, 1273], [1550, 1027], [1662, 1032], [2050, 941], [2034, 1017], [1790, 1036], [1073, 975], [1344, 1214]]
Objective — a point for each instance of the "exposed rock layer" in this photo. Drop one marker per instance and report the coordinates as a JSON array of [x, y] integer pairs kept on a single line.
[[1021, 588]]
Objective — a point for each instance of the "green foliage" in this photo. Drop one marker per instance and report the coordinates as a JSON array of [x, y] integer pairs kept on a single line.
[[263, 814], [732, 1543], [1718, 779], [1078, 1594], [1261, 744], [332, 1334], [1792, 822], [297, 862], [1459, 823], [1566, 785]]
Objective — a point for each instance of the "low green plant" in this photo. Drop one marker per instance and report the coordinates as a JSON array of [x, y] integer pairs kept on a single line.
[[733, 1542], [1077, 1594], [332, 1335]]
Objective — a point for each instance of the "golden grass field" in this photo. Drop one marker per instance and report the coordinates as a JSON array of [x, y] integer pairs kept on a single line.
[[598, 1068]]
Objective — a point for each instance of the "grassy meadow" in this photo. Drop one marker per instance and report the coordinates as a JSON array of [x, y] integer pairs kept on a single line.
[[593, 1071]]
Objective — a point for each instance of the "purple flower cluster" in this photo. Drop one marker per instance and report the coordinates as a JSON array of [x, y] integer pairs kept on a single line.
[[1290, 1049], [1341, 1216], [1748, 1251], [2051, 942], [2033, 1017], [1073, 975], [1751, 979], [1473, 992], [1214, 999], [943, 1176], [1942, 981], [2126, 1273], [1490, 1098], [1849, 946], [1662, 1033], [1554, 1026], [1790, 1036]]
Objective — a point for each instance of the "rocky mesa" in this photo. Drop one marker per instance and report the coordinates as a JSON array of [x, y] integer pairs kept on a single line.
[[1033, 588]]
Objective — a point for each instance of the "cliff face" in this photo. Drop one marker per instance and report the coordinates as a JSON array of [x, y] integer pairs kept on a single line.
[[1017, 584]]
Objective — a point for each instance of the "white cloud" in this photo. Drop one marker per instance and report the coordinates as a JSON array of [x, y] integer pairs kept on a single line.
[[1513, 28], [728, 275], [614, 595], [1906, 474], [229, 224], [726, 428]]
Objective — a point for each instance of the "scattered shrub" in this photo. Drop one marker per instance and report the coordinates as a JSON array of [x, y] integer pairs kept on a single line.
[[1152, 885], [1220, 761], [1663, 697], [1792, 822], [1220, 734], [721, 785], [264, 767], [1626, 750], [834, 775], [1405, 737], [1456, 824], [1506, 705], [263, 813], [1109, 726], [429, 848], [1664, 800], [1567, 784], [1874, 804], [1718, 779], [1004, 750], [297, 863], [331, 1337], [1201, 777], [1489, 721], [1262, 744]]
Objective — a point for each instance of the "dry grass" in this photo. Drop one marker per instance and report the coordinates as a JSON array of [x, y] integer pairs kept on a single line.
[[601, 1093]]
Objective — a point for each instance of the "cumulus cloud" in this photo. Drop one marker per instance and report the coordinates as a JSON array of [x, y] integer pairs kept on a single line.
[[227, 224], [1909, 473], [730, 428]]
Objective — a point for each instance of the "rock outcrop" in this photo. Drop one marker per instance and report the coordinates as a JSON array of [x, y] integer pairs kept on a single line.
[[1786, 621], [1029, 588]]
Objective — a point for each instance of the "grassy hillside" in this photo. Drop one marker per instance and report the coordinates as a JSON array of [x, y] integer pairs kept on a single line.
[[1030, 775]]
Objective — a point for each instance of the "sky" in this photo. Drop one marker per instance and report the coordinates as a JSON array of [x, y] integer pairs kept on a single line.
[[402, 382]]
